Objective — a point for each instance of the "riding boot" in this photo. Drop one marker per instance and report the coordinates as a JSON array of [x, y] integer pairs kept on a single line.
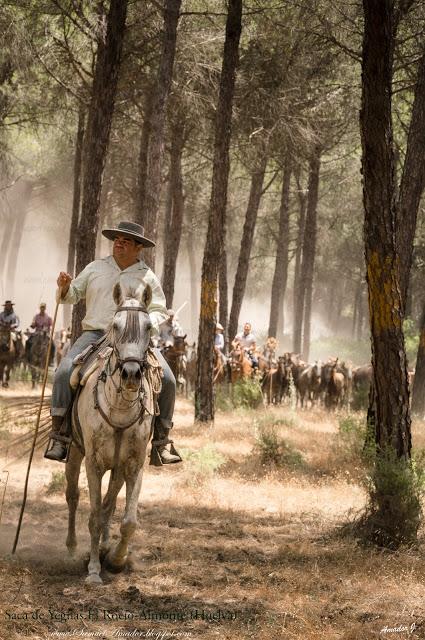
[[160, 454], [58, 450]]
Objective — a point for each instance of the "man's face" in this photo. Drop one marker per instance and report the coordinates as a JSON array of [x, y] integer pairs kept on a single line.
[[42, 309], [8, 308], [125, 248], [247, 329]]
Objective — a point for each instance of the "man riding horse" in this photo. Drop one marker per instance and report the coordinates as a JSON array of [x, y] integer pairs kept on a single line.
[[247, 341], [41, 323], [9, 320], [94, 284], [172, 342], [9, 347]]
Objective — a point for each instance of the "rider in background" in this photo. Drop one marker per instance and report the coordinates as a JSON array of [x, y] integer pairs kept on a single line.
[[41, 322], [247, 341], [9, 320], [169, 330], [219, 341]]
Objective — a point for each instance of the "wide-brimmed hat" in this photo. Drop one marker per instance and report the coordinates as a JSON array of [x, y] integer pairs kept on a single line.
[[130, 230], [8, 302]]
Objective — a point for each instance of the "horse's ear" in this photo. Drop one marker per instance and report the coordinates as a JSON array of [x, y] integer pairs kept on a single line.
[[117, 295], [147, 296]]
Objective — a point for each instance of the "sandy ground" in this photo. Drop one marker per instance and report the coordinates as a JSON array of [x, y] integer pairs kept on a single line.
[[242, 551]]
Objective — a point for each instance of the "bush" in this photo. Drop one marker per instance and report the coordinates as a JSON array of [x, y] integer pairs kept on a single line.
[[200, 466], [57, 483], [396, 487], [273, 450], [245, 393]]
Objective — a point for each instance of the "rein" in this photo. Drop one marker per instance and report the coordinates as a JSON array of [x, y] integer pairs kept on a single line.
[[108, 372]]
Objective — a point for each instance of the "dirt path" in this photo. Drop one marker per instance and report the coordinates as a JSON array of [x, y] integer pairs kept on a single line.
[[237, 552]]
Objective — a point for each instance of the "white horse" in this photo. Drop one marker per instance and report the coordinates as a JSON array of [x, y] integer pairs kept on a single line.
[[115, 432]]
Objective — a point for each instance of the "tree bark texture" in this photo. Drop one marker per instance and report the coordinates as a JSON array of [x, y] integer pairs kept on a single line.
[[280, 275], [223, 307], [76, 196], [418, 391], [204, 393], [96, 139], [412, 182], [298, 300], [255, 193], [309, 247], [150, 173], [190, 244], [389, 412], [173, 229]]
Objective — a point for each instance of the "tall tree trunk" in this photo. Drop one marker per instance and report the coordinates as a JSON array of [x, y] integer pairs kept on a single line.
[[190, 245], [412, 182], [223, 308], [257, 180], [304, 300], [281, 264], [299, 293], [76, 202], [173, 230], [204, 393], [360, 314], [390, 413], [150, 190], [76, 196], [21, 198], [418, 391], [96, 139]]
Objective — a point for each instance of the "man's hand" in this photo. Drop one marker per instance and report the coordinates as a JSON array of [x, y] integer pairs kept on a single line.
[[63, 282]]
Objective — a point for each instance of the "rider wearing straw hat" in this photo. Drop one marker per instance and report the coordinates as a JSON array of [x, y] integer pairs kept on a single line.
[[95, 284]]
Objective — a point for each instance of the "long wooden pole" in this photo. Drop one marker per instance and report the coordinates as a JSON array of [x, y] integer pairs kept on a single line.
[[46, 370]]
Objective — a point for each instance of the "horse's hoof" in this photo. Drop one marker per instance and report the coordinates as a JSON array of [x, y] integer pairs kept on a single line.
[[94, 578], [112, 565]]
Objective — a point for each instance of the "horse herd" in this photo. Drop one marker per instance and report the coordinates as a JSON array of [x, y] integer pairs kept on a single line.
[[330, 384], [26, 354]]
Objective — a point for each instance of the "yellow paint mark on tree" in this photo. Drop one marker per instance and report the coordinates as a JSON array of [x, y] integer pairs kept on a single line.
[[208, 299], [384, 293]]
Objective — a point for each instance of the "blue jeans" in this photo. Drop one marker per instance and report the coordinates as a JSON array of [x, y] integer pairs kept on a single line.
[[62, 393]]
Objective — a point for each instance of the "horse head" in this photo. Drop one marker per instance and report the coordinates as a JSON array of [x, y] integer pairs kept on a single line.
[[130, 334]]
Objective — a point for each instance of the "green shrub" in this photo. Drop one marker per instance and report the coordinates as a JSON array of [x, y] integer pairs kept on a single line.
[[57, 483], [396, 487], [247, 393], [200, 466], [273, 450]]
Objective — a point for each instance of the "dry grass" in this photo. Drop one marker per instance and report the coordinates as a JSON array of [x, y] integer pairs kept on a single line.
[[260, 544]]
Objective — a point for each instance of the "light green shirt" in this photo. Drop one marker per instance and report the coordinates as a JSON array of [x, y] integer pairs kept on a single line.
[[95, 284]]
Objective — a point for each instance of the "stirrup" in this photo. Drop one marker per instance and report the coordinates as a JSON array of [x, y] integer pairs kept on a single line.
[[66, 440], [155, 456]]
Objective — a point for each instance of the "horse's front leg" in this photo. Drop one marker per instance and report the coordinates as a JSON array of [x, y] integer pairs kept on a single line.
[[117, 557], [108, 506], [72, 472], [94, 478]]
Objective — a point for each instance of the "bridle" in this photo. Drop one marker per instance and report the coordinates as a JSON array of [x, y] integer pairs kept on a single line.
[[108, 372]]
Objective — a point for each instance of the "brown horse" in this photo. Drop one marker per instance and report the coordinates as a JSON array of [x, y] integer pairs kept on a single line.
[[7, 355], [37, 355], [240, 366], [175, 355]]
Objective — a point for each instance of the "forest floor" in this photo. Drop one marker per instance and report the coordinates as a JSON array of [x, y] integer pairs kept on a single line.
[[228, 547]]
